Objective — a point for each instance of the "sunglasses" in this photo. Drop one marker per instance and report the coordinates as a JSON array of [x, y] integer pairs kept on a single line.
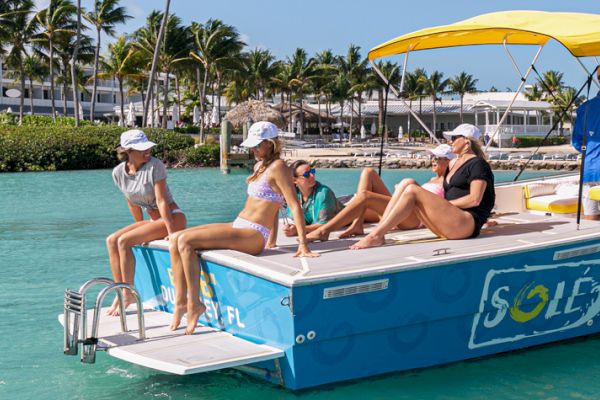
[[454, 137], [310, 172]]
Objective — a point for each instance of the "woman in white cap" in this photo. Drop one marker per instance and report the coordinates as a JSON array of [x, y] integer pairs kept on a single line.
[[373, 201], [269, 185], [468, 195], [143, 180]]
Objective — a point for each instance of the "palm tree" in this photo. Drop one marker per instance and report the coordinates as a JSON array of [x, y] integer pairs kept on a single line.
[[302, 71], [341, 91], [106, 14], [151, 78], [565, 101], [356, 71], [551, 84], [4, 23], [412, 90], [260, 67], [421, 76], [391, 72], [431, 87], [55, 19], [175, 48], [462, 84], [119, 65], [35, 70], [216, 46], [283, 83], [64, 48], [533, 92], [325, 71], [19, 32]]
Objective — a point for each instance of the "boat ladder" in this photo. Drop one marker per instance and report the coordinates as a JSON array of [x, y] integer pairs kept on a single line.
[[75, 308]]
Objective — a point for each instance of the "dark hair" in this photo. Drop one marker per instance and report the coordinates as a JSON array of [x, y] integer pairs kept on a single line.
[[122, 154], [297, 164]]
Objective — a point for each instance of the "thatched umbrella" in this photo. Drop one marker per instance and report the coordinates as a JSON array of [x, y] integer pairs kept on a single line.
[[254, 110]]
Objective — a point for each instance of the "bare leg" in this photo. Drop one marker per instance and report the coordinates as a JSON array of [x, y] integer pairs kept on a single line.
[[179, 282], [371, 182], [438, 214], [143, 232], [353, 210], [214, 236], [400, 188], [115, 260]]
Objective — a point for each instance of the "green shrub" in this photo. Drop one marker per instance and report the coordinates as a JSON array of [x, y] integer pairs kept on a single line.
[[201, 156], [48, 148], [533, 141]]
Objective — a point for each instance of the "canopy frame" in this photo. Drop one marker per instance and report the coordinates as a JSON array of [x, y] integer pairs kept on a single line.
[[399, 95]]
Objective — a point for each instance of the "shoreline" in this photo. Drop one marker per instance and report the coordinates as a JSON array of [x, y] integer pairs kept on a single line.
[[345, 158], [373, 162]]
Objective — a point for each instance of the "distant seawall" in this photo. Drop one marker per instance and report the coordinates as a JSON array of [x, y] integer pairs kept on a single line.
[[362, 162]]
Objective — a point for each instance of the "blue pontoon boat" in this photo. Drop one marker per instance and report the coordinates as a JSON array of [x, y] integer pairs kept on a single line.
[[417, 301]]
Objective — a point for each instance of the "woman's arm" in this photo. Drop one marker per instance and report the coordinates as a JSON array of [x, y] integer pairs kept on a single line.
[[290, 230], [136, 211], [283, 180], [476, 191], [160, 191]]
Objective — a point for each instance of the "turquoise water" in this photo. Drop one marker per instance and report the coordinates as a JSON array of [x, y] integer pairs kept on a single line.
[[52, 230]]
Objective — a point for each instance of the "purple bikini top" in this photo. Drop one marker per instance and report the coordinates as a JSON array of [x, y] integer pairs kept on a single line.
[[260, 189]]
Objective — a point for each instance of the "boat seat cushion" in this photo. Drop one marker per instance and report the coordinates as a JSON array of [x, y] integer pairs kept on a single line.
[[552, 197], [594, 193]]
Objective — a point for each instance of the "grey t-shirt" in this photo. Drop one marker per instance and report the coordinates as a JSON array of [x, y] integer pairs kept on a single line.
[[139, 188]]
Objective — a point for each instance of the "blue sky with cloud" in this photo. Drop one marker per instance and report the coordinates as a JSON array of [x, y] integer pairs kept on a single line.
[[282, 25]]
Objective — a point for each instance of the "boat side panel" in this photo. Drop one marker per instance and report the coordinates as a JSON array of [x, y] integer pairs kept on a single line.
[[446, 313], [247, 306]]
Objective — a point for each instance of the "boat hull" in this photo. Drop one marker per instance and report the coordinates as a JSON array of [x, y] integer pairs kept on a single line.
[[335, 330]]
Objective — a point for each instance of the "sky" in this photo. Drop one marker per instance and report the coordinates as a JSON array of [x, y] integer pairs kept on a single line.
[[315, 25]]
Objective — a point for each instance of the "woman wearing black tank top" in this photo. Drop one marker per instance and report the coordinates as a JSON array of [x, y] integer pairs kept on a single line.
[[468, 199]]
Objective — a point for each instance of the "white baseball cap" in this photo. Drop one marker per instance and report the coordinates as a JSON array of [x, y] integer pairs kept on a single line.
[[260, 131], [466, 130], [135, 139], [443, 151]]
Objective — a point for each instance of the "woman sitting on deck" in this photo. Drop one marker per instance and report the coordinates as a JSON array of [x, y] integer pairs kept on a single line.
[[268, 186], [143, 180], [372, 198], [318, 201], [468, 191]]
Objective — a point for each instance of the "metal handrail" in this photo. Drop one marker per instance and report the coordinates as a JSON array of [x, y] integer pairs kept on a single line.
[[88, 352]]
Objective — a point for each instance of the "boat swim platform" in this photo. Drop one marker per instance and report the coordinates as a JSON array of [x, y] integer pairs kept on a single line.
[[404, 250], [208, 349]]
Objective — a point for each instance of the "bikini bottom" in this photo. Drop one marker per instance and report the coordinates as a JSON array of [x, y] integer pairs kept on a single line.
[[241, 223]]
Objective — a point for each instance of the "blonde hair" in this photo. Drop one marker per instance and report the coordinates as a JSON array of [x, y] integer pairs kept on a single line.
[[267, 160], [476, 147]]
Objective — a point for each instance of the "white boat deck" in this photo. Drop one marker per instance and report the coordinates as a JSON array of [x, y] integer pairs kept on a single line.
[[404, 249], [208, 349]]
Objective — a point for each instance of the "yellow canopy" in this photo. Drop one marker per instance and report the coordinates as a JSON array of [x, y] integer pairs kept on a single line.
[[579, 33]]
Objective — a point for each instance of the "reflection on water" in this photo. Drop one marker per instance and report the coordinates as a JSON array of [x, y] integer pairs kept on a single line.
[[52, 230]]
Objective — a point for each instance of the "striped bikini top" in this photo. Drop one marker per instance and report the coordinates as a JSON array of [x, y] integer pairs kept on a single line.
[[260, 189]]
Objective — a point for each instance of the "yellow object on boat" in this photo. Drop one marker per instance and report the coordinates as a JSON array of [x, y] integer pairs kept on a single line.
[[578, 32], [594, 193]]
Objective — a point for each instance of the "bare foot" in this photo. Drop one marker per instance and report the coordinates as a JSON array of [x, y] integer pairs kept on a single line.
[[318, 235], [193, 314], [356, 229], [114, 310], [368, 241], [490, 223], [177, 315]]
